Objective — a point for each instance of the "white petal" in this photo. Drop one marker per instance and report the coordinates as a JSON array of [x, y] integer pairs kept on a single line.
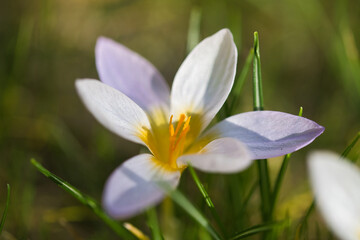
[[113, 109], [131, 74], [224, 155], [133, 186], [336, 185], [268, 133], [205, 78]]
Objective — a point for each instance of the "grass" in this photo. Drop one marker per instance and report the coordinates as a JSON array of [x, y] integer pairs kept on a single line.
[[309, 57]]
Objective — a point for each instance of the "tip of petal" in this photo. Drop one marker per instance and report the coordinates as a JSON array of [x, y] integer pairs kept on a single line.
[[102, 43], [102, 40], [106, 45], [321, 129], [225, 34], [82, 82], [225, 31], [313, 134]]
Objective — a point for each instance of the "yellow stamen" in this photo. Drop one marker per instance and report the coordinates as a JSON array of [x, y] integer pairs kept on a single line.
[[171, 127], [186, 125], [177, 138], [181, 120]]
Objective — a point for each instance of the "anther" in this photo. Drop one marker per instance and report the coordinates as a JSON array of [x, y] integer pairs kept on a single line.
[[186, 125], [181, 120], [171, 127], [177, 137]]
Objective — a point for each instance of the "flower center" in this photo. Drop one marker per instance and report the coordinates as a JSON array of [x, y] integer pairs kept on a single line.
[[168, 139], [177, 138]]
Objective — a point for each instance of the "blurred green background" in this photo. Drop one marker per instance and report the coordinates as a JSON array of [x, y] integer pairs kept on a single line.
[[310, 58]]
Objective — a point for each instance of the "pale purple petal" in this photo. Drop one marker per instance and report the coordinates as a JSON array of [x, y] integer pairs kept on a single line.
[[113, 109], [205, 78], [335, 183], [268, 133], [131, 74], [224, 155], [134, 186]]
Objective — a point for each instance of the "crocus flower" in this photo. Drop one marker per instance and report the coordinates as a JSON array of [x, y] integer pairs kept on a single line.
[[134, 101], [336, 186]]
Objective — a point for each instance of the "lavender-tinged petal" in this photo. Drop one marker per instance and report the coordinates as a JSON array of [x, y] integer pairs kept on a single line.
[[205, 78], [131, 74], [134, 186], [113, 109], [335, 183], [268, 133], [224, 155]]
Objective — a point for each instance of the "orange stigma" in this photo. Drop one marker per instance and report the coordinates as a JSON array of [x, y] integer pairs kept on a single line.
[[177, 138]]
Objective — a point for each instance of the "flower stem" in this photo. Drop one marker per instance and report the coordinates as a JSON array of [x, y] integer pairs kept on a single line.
[[86, 200], [207, 200], [6, 209], [262, 164]]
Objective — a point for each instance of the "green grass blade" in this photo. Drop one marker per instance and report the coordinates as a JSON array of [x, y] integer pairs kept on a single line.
[[185, 204], [303, 223], [350, 146], [154, 224], [207, 200], [264, 182], [201, 187], [301, 112], [262, 165], [86, 200], [2, 223], [247, 198], [279, 181], [256, 230], [257, 80]]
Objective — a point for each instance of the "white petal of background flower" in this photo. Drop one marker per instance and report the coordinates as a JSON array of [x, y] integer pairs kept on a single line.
[[205, 78], [336, 185], [268, 133], [113, 109], [131, 74], [224, 155], [133, 186]]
